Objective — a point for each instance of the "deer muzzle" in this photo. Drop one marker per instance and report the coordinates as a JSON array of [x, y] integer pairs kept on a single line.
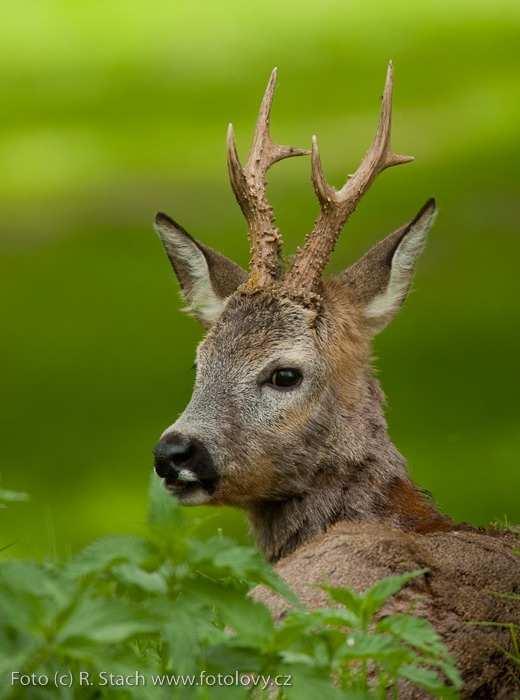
[[186, 467]]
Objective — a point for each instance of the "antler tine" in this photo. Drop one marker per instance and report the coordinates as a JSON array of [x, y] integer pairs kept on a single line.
[[250, 188], [337, 205]]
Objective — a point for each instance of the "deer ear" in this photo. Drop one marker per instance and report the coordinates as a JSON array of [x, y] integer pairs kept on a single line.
[[206, 277], [381, 279]]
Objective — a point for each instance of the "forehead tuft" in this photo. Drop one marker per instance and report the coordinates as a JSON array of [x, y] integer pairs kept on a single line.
[[261, 319]]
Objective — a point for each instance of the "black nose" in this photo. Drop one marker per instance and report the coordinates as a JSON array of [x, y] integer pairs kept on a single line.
[[176, 451], [172, 451]]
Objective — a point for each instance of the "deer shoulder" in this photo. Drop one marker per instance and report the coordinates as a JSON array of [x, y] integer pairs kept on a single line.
[[467, 571]]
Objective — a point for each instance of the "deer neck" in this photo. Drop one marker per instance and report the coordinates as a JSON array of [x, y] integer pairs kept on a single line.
[[373, 487]]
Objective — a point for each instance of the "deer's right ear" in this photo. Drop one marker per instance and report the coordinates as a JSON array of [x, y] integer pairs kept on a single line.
[[206, 277]]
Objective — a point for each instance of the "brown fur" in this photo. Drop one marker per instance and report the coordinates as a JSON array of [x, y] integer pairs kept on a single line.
[[468, 570], [413, 510]]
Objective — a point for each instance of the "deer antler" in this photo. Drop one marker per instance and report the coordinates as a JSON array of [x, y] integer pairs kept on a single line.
[[337, 205], [249, 185]]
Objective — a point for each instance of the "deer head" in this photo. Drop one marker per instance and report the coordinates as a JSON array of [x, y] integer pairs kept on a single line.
[[285, 419]]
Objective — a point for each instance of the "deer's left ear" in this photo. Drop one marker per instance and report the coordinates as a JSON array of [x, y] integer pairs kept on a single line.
[[381, 279], [206, 277]]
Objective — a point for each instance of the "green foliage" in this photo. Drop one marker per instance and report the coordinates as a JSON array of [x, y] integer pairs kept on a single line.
[[175, 603]]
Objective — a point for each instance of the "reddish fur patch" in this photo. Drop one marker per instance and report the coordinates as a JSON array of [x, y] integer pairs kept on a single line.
[[413, 509]]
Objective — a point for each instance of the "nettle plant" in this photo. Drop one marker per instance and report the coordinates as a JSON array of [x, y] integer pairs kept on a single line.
[[174, 608]]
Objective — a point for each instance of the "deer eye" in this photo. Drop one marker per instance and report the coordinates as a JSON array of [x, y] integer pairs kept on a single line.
[[285, 378]]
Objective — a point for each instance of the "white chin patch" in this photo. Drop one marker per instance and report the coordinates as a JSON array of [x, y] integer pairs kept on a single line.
[[186, 475], [195, 497]]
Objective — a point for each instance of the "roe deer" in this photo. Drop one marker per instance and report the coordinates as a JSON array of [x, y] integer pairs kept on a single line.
[[286, 419]]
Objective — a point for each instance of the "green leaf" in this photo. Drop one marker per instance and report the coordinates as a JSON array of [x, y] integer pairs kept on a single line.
[[337, 617], [105, 621], [147, 581], [415, 631], [26, 578], [268, 577], [186, 624], [228, 559], [377, 647], [15, 655], [295, 627], [102, 554], [165, 515], [347, 597], [241, 561], [224, 657], [297, 657], [376, 596], [429, 680], [308, 684], [16, 612], [251, 620], [183, 643], [31, 594]]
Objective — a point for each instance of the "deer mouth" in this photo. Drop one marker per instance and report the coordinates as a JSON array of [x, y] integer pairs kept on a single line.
[[189, 488]]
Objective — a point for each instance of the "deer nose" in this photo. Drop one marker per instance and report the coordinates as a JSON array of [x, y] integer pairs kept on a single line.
[[181, 459], [172, 453]]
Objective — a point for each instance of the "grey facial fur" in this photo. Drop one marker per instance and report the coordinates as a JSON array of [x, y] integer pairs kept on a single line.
[[298, 460]]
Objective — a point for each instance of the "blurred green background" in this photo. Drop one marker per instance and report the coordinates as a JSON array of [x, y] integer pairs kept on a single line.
[[114, 110]]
